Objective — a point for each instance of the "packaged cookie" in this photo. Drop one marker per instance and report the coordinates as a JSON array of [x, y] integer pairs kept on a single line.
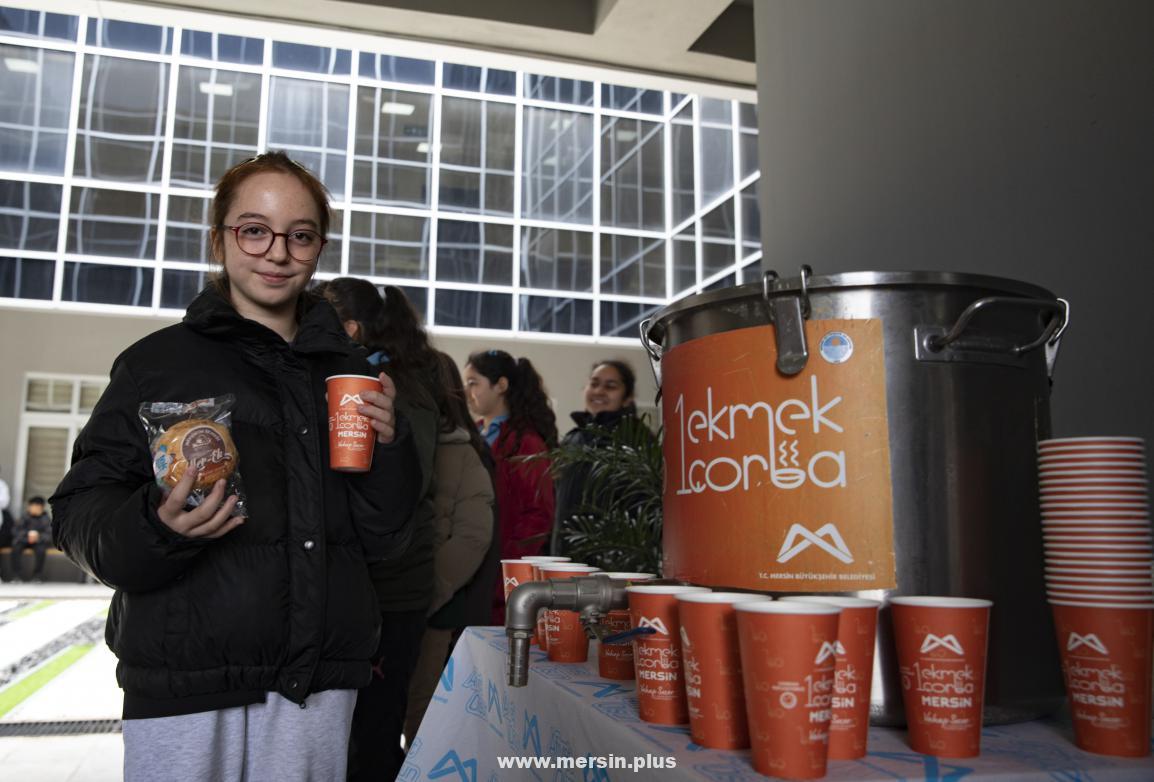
[[194, 435]]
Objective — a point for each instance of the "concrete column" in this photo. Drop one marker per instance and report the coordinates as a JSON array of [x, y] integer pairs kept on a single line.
[[1006, 137]]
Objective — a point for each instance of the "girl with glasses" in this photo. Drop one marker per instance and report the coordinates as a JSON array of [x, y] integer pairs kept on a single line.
[[242, 639]]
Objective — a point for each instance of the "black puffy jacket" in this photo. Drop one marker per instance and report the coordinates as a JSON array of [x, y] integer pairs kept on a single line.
[[282, 603]]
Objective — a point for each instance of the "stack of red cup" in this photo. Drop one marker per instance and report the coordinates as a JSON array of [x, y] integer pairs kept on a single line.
[[1099, 556]]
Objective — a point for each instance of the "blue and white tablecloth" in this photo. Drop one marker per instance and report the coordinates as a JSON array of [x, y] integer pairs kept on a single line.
[[568, 711]]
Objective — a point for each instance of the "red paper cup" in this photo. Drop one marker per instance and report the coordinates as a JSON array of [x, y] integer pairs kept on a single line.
[[540, 638], [351, 436], [657, 657], [1106, 660], [565, 638], [515, 572], [941, 645], [712, 665], [857, 630], [788, 662], [615, 661]]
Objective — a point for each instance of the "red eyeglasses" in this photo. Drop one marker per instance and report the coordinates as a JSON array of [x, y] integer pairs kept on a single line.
[[303, 245]]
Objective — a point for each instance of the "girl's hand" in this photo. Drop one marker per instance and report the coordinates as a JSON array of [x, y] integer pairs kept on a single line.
[[378, 408], [210, 519]]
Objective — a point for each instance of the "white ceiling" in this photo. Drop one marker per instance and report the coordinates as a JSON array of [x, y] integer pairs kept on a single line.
[[650, 36]]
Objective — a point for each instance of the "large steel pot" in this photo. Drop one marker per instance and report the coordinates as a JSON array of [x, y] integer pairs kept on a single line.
[[968, 365]]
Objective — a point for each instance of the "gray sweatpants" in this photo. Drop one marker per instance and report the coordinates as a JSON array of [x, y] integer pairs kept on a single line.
[[276, 741]]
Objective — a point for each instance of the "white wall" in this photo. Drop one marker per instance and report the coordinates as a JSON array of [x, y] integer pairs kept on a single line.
[[82, 344]]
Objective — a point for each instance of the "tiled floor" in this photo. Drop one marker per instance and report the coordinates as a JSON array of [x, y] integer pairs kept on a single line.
[[86, 690]]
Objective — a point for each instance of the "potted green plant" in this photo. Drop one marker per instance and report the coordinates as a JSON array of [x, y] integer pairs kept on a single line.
[[617, 525]]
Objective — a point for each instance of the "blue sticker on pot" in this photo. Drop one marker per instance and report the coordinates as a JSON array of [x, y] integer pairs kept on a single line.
[[836, 347]]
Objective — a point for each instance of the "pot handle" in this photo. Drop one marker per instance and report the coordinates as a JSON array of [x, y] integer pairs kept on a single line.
[[653, 350], [935, 343]]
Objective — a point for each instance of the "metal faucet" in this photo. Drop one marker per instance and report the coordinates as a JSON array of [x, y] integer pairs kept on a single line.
[[590, 596]]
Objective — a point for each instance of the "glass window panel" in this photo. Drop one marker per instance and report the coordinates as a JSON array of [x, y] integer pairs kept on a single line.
[[46, 461], [26, 278], [217, 123], [557, 260], [716, 163], [392, 156], [314, 59], [35, 95], [684, 261], [90, 395], [714, 110], [683, 177], [330, 260], [623, 318], [747, 115], [748, 153], [16, 21], [419, 298], [402, 69], [29, 215], [120, 134], [100, 284], [187, 235], [48, 395], [113, 222], [719, 223], [751, 272], [750, 220], [632, 174], [479, 79], [389, 246], [474, 252], [728, 281], [309, 120], [178, 287], [132, 36], [545, 314], [477, 140], [632, 266], [675, 100], [558, 90], [474, 309], [717, 234], [558, 166], [631, 99], [222, 48]]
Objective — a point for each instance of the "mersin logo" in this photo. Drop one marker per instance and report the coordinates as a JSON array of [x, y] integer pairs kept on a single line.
[[1091, 640], [351, 398], [931, 642], [656, 624], [835, 545]]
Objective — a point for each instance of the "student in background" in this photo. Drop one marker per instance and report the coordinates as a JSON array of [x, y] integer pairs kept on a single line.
[[391, 331], [509, 399], [609, 404], [33, 531], [467, 550]]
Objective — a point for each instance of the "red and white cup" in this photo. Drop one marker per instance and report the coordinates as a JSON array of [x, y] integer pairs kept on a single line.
[[565, 637], [352, 438], [941, 645], [711, 661], [657, 657], [1106, 653], [615, 661], [537, 560], [788, 664], [853, 678]]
